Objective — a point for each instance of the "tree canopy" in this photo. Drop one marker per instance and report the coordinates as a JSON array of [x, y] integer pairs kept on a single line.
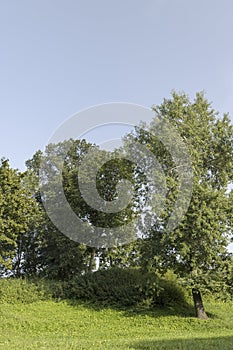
[[196, 250]]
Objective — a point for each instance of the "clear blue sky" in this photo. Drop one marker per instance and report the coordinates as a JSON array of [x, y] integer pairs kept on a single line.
[[60, 56]]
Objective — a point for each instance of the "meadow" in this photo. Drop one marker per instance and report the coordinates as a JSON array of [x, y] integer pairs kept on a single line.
[[70, 325]]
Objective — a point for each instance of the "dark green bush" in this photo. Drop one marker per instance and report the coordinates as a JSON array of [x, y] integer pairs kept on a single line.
[[170, 292], [126, 287], [115, 286], [112, 286]]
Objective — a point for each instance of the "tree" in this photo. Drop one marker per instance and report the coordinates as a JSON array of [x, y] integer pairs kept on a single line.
[[17, 209], [197, 248], [57, 255]]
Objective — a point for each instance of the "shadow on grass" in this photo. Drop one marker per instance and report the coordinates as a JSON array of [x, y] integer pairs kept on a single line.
[[185, 310], [223, 343]]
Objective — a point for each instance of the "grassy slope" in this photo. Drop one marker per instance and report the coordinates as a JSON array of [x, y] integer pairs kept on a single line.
[[50, 325]]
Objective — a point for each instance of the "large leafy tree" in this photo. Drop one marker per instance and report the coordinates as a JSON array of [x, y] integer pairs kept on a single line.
[[17, 209], [197, 249], [58, 256], [49, 252]]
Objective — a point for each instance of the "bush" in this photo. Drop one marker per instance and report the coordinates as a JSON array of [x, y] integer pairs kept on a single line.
[[115, 286], [170, 291], [15, 291], [125, 287]]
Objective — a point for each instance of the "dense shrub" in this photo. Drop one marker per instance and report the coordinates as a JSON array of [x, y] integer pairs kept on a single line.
[[17, 290], [115, 286], [126, 287]]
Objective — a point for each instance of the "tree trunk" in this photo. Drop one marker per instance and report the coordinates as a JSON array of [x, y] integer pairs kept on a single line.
[[18, 257], [91, 261], [198, 304]]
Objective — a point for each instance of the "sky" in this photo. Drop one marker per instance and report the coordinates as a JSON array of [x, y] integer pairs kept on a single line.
[[61, 56]]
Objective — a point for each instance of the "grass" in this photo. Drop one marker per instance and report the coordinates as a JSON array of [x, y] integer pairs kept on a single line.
[[62, 326]]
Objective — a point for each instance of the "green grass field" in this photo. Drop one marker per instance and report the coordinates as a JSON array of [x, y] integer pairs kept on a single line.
[[51, 325]]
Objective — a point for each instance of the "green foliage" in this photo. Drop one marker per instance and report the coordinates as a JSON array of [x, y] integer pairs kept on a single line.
[[126, 287], [57, 256], [19, 291], [17, 210], [116, 286], [26, 291], [171, 292], [119, 287], [122, 256], [197, 249]]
